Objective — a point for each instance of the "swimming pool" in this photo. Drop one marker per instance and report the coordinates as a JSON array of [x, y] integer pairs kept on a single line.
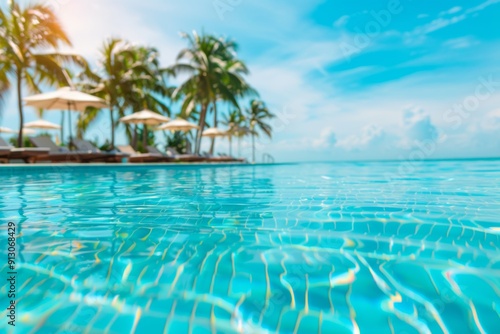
[[299, 248]]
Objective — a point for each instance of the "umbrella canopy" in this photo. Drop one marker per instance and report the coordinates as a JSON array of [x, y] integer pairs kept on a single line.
[[146, 117], [42, 124], [214, 132], [178, 125], [27, 132], [65, 98], [7, 130]]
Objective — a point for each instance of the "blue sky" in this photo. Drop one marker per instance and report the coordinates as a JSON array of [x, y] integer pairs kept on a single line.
[[348, 79]]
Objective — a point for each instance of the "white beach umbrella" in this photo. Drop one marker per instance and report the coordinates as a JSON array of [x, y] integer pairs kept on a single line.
[[27, 132], [6, 130], [178, 125], [42, 124], [214, 132], [238, 131], [145, 117], [65, 98]]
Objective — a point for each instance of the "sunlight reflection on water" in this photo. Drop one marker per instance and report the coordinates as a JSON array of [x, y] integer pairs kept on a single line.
[[291, 248]]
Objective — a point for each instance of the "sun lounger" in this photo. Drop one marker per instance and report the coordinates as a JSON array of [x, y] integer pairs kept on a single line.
[[172, 153], [134, 156], [221, 158], [4, 153], [7, 152], [84, 146], [62, 154]]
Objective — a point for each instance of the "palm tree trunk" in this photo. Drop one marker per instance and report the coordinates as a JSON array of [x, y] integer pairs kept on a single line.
[[134, 139], [212, 145], [230, 146], [253, 148], [201, 124], [70, 127], [189, 142], [112, 128], [239, 147], [79, 132], [20, 107], [144, 137], [128, 132], [61, 140]]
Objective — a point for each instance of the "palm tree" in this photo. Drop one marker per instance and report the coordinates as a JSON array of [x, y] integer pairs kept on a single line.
[[106, 83], [5, 84], [214, 74], [148, 88], [24, 34], [233, 83], [257, 116], [234, 120], [192, 116], [129, 78]]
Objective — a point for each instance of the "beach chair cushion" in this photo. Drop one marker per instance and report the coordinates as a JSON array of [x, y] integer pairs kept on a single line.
[[127, 149], [171, 152], [44, 141], [85, 146], [3, 143], [153, 150]]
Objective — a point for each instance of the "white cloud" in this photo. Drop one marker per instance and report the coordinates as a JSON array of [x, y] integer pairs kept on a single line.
[[438, 24], [326, 140], [341, 22], [417, 127], [109, 20], [367, 124], [371, 136], [450, 11], [484, 5], [418, 35], [491, 121], [460, 43]]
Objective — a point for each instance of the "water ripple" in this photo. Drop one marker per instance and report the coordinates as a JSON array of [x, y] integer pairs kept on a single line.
[[319, 248]]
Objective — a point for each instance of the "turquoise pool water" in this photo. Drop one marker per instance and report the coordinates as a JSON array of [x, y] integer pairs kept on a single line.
[[307, 248]]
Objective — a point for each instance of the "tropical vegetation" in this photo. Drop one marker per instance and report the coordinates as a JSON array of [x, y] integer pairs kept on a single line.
[[214, 74], [129, 77], [258, 114], [27, 37], [212, 91]]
